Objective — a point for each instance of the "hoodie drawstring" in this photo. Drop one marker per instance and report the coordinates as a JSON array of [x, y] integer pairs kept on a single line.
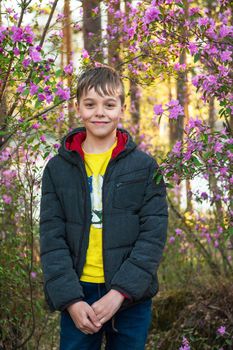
[[113, 325]]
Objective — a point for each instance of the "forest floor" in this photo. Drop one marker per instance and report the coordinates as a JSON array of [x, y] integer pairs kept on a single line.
[[202, 312]]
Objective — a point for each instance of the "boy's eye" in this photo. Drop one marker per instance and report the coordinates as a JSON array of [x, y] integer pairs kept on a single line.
[[91, 104]]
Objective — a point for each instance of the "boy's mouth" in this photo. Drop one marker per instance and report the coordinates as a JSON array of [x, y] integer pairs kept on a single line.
[[100, 123]]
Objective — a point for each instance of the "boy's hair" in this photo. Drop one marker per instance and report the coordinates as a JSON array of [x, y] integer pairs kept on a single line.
[[104, 79]]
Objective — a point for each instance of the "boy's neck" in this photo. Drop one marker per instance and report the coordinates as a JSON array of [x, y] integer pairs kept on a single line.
[[93, 144]]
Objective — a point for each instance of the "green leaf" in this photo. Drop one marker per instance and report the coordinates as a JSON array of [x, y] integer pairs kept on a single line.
[[30, 139], [58, 73], [180, 4], [38, 104], [206, 155], [196, 161], [26, 92], [3, 132], [158, 178], [46, 154], [196, 57], [35, 147], [169, 185], [229, 232]]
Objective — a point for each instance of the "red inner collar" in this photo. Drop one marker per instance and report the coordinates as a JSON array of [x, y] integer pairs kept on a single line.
[[74, 142]]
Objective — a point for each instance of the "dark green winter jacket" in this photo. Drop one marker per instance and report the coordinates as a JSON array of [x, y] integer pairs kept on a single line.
[[134, 222]]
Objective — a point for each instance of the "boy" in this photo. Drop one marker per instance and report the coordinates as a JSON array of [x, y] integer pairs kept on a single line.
[[103, 224]]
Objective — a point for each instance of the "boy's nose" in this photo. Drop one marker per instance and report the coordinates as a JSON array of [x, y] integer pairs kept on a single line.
[[100, 111], [99, 114]]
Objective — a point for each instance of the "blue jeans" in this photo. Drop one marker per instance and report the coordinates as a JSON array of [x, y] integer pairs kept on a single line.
[[126, 330]]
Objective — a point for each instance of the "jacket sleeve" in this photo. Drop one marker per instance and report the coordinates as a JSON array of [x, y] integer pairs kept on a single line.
[[61, 282], [136, 273]]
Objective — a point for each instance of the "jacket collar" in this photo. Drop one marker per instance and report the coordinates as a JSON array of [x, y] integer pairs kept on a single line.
[[71, 144]]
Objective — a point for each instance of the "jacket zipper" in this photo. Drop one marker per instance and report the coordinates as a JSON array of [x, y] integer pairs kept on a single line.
[[104, 180], [85, 216], [130, 181], [105, 176]]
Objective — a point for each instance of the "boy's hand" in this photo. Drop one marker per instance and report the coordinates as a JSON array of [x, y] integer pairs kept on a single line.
[[108, 305], [84, 317]]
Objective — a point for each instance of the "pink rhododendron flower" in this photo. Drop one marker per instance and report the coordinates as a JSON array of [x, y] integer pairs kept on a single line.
[[176, 177], [151, 14], [221, 330], [60, 16], [185, 344], [43, 138], [226, 55], [178, 231], [177, 148], [193, 123], [85, 54], [63, 94], [218, 147], [178, 66], [175, 109], [187, 155], [21, 87], [225, 31], [35, 55], [77, 26], [35, 126], [26, 62], [95, 10], [203, 21], [49, 98], [171, 240], [17, 34], [204, 195], [33, 88], [131, 31], [41, 97], [9, 10], [7, 199], [223, 170], [9, 174], [158, 110], [30, 34], [193, 48], [69, 68], [16, 51], [194, 10]]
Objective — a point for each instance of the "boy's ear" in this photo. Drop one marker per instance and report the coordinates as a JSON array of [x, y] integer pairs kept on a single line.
[[123, 108], [77, 107]]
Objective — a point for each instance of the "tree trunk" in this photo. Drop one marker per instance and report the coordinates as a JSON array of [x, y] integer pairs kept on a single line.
[[67, 46], [134, 96], [113, 42], [92, 33], [211, 114]]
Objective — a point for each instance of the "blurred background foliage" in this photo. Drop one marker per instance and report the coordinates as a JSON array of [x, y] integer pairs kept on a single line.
[[174, 59]]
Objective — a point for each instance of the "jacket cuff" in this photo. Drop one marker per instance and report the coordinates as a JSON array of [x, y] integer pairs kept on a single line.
[[123, 292]]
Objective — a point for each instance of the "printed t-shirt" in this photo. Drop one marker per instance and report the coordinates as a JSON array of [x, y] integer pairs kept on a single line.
[[95, 164]]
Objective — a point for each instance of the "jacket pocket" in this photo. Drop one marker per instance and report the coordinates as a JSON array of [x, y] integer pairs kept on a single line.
[[128, 193]]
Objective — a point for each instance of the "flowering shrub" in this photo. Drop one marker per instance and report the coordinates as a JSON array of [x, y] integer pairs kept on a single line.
[[153, 35]]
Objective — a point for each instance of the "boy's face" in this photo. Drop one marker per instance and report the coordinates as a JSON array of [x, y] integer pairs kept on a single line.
[[100, 114]]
